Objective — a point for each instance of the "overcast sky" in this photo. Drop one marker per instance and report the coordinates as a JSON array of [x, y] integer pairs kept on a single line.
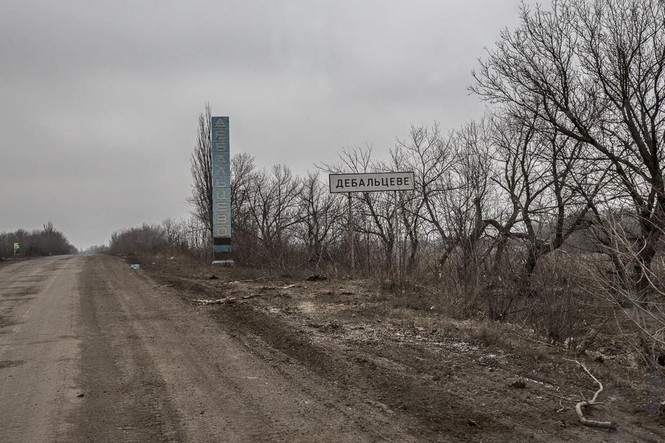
[[99, 100]]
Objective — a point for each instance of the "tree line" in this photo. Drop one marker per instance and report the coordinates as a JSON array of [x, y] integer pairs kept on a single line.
[[558, 189], [38, 242]]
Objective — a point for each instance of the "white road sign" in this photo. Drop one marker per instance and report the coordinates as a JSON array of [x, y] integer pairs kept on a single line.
[[371, 182]]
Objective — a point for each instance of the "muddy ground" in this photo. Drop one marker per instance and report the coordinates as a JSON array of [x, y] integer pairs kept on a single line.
[[438, 378]]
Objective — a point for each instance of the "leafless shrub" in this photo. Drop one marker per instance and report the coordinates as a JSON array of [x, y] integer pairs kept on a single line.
[[641, 300], [201, 169], [39, 242]]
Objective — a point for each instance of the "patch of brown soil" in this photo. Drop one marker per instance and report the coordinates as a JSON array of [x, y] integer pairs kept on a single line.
[[442, 379]]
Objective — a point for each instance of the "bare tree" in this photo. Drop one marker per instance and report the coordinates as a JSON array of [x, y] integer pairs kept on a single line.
[[594, 71], [471, 185], [410, 207], [47, 241], [431, 157], [201, 168], [242, 170], [244, 234], [141, 240], [273, 208], [375, 211], [647, 336], [540, 176], [320, 213], [452, 188]]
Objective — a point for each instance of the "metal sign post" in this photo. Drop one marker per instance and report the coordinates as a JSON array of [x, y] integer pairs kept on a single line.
[[396, 245], [353, 259], [371, 182]]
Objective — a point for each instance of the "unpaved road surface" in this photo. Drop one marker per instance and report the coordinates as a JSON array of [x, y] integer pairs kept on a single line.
[[93, 351], [39, 348]]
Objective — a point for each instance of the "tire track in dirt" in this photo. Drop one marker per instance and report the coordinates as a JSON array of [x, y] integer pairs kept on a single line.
[[172, 373], [38, 348], [435, 376], [359, 374], [123, 393]]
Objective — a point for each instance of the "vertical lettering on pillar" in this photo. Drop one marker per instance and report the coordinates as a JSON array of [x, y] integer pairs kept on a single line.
[[221, 188]]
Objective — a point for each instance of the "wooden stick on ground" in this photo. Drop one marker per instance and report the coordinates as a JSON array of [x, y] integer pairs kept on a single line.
[[586, 403]]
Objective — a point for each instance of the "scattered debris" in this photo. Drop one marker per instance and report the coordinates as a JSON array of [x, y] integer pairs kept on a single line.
[[588, 403], [326, 327], [219, 301], [377, 404], [520, 383], [267, 288], [271, 288], [213, 277], [135, 266], [317, 277]]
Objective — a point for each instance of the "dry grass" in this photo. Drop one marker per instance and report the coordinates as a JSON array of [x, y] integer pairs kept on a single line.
[[560, 309]]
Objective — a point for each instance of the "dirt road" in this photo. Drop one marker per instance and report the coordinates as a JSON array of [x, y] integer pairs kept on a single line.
[[39, 348], [92, 351]]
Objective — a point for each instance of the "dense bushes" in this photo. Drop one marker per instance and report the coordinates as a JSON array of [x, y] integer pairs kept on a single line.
[[47, 241], [166, 238]]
